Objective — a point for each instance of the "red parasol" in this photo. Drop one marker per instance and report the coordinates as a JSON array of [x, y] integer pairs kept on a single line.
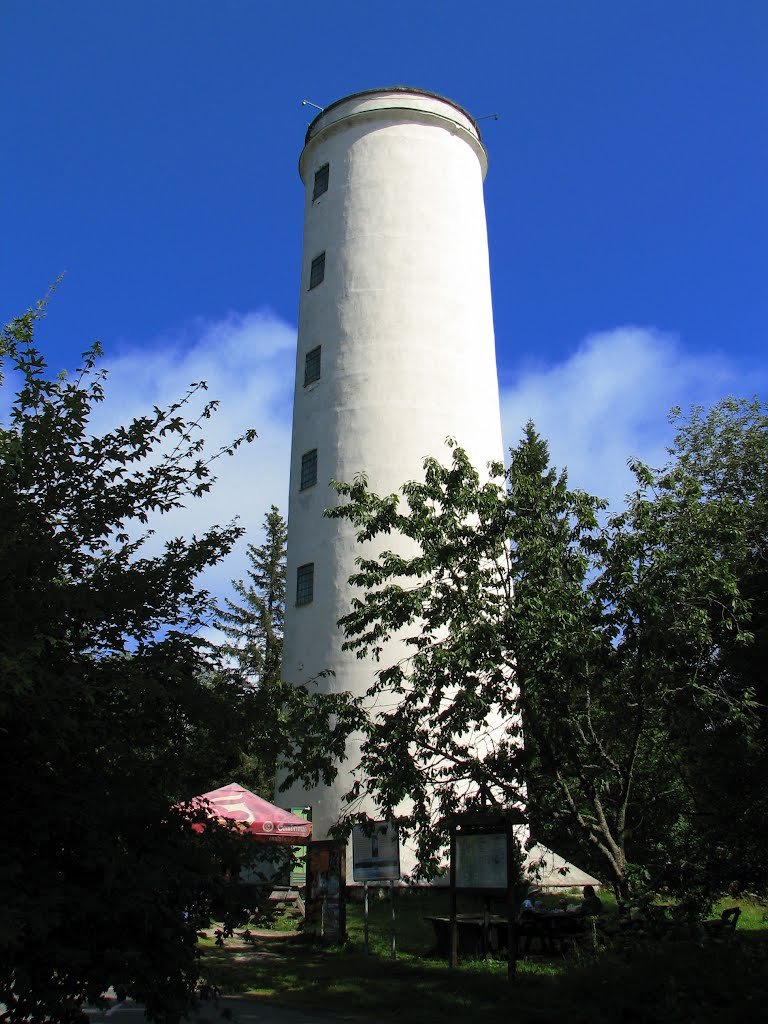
[[259, 817]]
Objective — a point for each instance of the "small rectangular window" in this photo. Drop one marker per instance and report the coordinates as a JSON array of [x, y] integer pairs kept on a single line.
[[309, 469], [317, 271], [321, 182], [312, 366], [305, 583]]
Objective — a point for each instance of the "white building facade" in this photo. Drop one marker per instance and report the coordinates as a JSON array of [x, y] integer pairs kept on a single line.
[[395, 351]]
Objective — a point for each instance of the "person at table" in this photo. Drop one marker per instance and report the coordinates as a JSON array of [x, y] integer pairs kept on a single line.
[[528, 904], [591, 905]]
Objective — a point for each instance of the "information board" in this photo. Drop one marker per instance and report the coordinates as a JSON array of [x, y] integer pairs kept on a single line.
[[481, 860], [376, 857]]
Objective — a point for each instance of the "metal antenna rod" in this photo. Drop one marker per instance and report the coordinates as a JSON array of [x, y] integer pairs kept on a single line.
[[309, 103], [486, 116]]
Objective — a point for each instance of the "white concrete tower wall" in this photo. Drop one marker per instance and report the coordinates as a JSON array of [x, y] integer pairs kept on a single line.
[[403, 321]]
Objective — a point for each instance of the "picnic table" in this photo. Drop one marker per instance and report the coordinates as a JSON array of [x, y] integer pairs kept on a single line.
[[552, 929], [480, 934]]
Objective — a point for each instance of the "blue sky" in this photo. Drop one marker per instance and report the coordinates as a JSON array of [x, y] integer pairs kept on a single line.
[[150, 151]]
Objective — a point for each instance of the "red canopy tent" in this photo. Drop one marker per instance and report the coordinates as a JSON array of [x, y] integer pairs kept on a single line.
[[259, 817]]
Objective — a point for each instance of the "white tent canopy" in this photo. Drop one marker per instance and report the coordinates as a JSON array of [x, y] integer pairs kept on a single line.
[[548, 870]]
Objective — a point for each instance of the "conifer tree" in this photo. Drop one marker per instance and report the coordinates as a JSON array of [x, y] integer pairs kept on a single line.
[[255, 624], [254, 628]]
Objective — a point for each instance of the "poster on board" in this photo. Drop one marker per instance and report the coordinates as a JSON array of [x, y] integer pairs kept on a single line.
[[481, 861], [376, 857], [326, 883]]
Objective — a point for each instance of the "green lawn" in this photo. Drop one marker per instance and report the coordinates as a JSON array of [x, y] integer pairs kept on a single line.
[[696, 982]]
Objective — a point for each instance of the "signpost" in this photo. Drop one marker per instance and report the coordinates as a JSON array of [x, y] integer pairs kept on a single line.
[[376, 858]]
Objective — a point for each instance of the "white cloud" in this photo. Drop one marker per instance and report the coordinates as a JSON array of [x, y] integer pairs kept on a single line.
[[602, 405], [247, 361], [609, 401]]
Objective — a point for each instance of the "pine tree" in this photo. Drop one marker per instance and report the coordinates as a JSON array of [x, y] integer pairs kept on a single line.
[[255, 626]]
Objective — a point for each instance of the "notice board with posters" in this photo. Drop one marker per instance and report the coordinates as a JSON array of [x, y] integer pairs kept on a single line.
[[486, 861], [481, 860], [376, 852], [326, 889]]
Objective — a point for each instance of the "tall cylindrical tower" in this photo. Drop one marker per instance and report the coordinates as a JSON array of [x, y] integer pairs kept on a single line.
[[395, 348]]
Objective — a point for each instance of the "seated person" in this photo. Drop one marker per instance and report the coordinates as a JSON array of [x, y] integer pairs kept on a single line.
[[528, 905], [590, 906]]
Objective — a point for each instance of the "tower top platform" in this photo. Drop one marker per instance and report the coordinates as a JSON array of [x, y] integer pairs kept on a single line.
[[400, 102]]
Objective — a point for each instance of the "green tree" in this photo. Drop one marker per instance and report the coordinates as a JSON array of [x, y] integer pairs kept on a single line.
[[107, 720], [255, 624], [714, 496], [519, 609], [274, 718], [101, 712], [254, 627]]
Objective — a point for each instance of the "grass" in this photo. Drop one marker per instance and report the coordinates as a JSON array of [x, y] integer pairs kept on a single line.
[[754, 914], [694, 982]]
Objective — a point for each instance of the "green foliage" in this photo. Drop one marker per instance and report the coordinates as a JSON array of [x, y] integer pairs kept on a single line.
[[274, 718], [104, 721], [254, 626], [443, 596], [626, 648], [713, 510], [112, 711]]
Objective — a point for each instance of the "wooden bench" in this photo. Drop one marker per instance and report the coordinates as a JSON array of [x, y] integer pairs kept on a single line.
[[723, 927]]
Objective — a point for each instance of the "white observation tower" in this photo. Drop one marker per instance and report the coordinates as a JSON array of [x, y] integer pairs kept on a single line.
[[395, 350]]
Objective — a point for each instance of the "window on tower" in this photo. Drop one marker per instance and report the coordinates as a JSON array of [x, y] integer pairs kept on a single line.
[[305, 583], [321, 182], [312, 366], [309, 469], [317, 270]]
